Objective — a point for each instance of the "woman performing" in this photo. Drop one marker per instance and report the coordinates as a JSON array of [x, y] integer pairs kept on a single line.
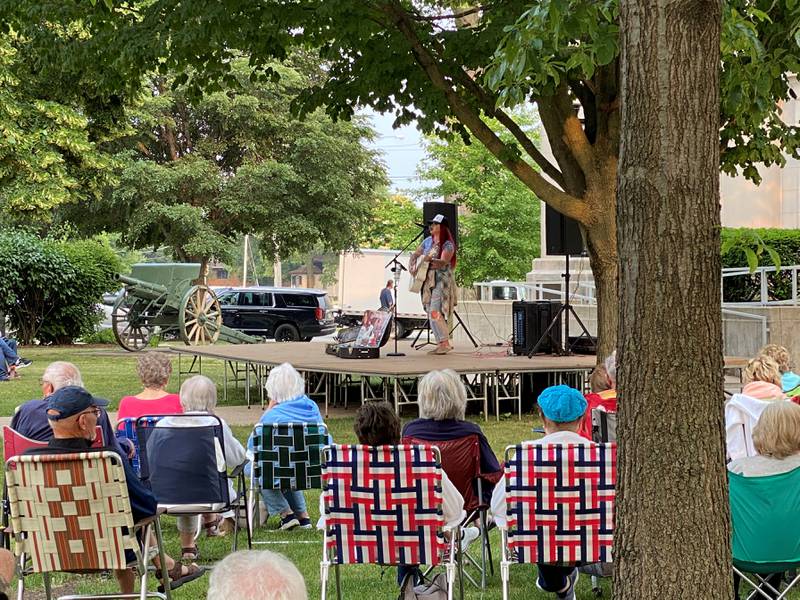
[[439, 290]]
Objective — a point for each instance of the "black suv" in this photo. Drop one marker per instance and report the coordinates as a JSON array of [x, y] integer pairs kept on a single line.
[[286, 314]]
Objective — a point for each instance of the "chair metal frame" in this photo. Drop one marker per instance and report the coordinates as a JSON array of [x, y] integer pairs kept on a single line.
[[328, 541], [112, 464], [236, 505], [506, 531], [479, 511], [256, 477]]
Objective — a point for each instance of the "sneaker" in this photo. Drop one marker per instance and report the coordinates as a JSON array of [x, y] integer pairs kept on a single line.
[[305, 523], [569, 593], [289, 522], [22, 363], [469, 535]]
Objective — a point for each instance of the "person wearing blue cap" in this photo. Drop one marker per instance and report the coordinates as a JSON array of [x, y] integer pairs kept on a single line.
[[562, 410], [73, 413]]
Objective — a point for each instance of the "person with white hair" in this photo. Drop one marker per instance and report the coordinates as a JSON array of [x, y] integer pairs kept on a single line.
[[288, 403], [442, 408], [30, 419], [256, 575], [198, 397]]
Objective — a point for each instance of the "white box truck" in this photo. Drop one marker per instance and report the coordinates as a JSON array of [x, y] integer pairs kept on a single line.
[[361, 277]]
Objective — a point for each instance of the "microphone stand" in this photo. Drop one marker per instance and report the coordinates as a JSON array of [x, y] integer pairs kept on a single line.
[[397, 270]]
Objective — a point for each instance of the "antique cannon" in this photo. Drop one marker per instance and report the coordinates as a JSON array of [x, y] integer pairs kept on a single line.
[[167, 296]]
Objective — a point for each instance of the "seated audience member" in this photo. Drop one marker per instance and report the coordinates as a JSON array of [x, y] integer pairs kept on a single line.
[[73, 414], [603, 384], [199, 397], [10, 361], [790, 382], [377, 424], [154, 370], [442, 406], [7, 569], [562, 410], [762, 381], [256, 575], [287, 404], [31, 420], [776, 438]]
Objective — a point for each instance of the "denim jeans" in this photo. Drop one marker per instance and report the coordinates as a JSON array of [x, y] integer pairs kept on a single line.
[[281, 503], [8, 355]]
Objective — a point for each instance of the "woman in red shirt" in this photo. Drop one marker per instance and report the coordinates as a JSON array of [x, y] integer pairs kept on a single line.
[[154, 370]]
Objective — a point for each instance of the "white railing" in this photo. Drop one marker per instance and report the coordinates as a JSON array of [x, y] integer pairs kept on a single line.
[[761, 273]]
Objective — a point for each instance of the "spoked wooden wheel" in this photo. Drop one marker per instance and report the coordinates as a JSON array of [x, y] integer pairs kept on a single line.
[[200, 317], [129, 322]]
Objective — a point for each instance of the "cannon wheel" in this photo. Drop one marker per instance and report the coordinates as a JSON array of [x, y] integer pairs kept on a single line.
[[130, 330], [200, 317]]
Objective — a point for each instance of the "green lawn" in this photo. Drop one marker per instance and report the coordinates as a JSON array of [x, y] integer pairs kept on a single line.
[[112, 374]]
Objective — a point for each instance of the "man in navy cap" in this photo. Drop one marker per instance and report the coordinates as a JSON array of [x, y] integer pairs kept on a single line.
[[562, 410], [73, 413]]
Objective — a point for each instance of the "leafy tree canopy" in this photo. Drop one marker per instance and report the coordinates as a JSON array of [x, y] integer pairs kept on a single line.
[[200, 172], [48, 155], [393, 223]]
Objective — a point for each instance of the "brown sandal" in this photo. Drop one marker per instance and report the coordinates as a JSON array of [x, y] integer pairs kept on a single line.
[[177, 578], [191, 554], [213, 527]]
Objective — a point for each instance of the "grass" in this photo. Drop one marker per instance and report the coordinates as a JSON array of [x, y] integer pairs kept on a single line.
[[111, 373]]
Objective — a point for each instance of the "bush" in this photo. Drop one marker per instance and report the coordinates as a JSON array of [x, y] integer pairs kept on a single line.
[[50, 290], [759, 247], [101, 336]]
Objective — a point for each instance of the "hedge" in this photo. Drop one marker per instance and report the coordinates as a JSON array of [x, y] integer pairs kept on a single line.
[[762, 247], [49, 290]]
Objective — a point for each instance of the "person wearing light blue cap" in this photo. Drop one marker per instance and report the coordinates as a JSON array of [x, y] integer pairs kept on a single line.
[[562, 410]]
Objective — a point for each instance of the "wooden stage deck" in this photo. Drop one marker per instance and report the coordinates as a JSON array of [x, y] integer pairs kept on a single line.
[[310, 356], [490, 375]]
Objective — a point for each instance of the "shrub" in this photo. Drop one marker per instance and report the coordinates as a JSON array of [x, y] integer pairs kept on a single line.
[[759, 247], [49, 290], [101, 336]]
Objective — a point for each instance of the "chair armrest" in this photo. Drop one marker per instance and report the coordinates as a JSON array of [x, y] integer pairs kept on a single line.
[[147, 520], [238, 470]]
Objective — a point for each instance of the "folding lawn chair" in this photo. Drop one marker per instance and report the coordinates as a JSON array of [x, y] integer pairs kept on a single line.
[[179, 464], [461, 460], [383, 505], [765, 518], [286, 456], [560, 505], [15, 444], [72, 513], [126, 428]]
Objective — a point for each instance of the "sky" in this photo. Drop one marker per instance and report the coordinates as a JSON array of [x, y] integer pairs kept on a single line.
[[402, 152]]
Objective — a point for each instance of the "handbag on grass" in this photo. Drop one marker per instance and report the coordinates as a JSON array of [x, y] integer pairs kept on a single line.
[[429, 589]]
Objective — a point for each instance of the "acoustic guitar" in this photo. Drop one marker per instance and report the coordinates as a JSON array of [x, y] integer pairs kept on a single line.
[[418, 280]]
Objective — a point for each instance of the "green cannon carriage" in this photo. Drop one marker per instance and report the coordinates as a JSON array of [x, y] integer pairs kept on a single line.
[[167, 296]]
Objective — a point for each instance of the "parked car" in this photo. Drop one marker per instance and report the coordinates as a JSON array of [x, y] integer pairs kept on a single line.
[[285, 314]]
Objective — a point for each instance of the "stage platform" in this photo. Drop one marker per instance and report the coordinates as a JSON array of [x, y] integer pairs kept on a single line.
[[491, 375]]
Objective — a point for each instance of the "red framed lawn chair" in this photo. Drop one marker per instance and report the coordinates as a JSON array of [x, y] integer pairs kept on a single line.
[[84, 524], [383, 505], [461, 460], [560, 505]]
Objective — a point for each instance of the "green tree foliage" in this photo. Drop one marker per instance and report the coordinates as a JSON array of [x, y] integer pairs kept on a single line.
[[49, 290], [47, 155], [203, 171], [499, 233], [393, 223]]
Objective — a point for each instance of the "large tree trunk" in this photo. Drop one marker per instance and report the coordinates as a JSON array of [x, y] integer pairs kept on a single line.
[[672, 537]]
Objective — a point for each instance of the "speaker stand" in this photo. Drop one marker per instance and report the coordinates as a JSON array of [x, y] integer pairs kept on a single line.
[[566, 310]]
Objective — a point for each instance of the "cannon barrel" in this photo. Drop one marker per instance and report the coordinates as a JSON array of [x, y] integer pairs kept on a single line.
[[143, 288]]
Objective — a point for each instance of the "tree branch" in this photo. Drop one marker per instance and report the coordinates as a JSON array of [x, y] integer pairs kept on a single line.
[[574, 177], [458, 15], [564, 203]]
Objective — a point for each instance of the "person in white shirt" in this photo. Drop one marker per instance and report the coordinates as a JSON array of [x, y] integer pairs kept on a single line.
[[377, 424], [199, 397], [562, 410]]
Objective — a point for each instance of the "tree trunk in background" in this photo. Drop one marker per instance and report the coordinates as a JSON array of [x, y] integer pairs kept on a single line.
[[672, 536]]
